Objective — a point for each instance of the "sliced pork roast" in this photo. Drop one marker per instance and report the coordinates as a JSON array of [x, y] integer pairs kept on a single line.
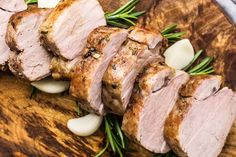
[[86, 83], [66, 29], [4, 49], [199, 123], [120, 76], [144, 121], [29, 59], [13, 5]]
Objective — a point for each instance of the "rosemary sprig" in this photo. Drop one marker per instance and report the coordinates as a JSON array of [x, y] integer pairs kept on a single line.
[[124, 16], [31, 1], [202, 68], [114, 136], [170, 33], [33, 93], [196, 56]]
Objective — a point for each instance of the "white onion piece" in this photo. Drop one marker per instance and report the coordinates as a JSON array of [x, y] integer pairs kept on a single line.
[[48, 85], [180, 54], [85, 126], [47, 3]]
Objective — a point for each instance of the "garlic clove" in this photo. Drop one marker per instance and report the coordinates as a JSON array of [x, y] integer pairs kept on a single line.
[[85, 126], [180, 54], [48, 85], [47, 3]]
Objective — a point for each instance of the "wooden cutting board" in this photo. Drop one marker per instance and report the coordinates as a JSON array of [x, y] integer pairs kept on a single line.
[[37, 127]]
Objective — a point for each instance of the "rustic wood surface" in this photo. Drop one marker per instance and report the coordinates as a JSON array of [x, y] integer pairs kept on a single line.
[[37, 127]]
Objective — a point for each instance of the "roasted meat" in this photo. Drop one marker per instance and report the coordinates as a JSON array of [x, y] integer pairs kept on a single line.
[[86, 83], [120, 76], [4, 49], [144, 121], [29, 60], [200, 121], [66, 29], [13, 5]]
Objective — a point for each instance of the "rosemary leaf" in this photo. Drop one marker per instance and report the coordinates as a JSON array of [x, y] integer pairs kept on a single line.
[[177, 35], [119, 132], [117, 24], [103, 150], [33, 93], [109, 135], [114, 136], [206, 61], [196, 56], [116, 140], [170, 33], [208, 69], [124, 16], [124, 8], [169, 29], [205, 72], [137, 14], [31, 1], [119, 151], [129, 21], [205, 66]]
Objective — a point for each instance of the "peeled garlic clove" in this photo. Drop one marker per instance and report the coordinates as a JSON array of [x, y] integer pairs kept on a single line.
[[47, 3], [180, 54], [85, 126], [51, 86]]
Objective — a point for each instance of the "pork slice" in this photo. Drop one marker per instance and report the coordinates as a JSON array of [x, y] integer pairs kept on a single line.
[[86, 83], [66, 29], [202, 86], [145, 36], [199, 127], [13, 5], [120, 76], [4, 49], [144, 121], [31, 59], [61, 69]]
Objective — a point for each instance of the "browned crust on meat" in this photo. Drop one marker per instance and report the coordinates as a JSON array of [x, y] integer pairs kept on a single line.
[[144, 31], [112, 83], [15, 20], [81, 78], [59, 69], [131, 118], [149, 71], [140, 93], [173, 122], [46, 28], [191, 86], [14, 61], [15, 65]]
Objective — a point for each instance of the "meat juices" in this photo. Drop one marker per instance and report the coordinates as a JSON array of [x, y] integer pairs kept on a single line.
[[66, 30], [86, 84], [199, 124], [29, 60]]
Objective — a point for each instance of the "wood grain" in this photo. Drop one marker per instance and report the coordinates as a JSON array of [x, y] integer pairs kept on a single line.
[[37, 127]]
